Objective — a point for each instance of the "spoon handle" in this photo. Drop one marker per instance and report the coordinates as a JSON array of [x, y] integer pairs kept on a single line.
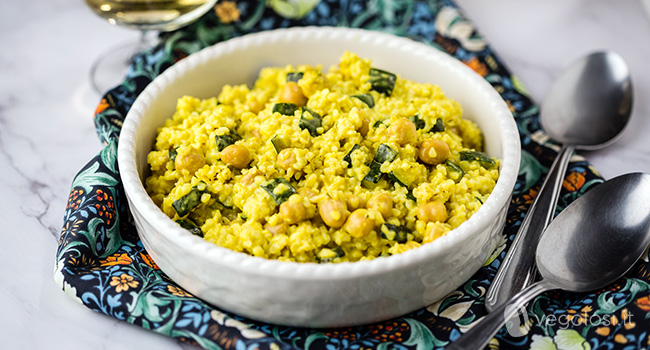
[[485, 329], [518, 269]]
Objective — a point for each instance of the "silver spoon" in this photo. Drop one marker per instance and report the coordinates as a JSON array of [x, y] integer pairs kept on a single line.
[[586, 108], [590, 244]]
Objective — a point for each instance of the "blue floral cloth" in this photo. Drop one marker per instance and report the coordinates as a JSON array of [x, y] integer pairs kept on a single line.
[[100, 260]]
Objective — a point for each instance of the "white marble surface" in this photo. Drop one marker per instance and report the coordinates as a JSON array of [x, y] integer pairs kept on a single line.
[[47, 135]]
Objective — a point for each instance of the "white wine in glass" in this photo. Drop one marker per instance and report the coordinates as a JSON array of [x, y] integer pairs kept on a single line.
[[147, 16]]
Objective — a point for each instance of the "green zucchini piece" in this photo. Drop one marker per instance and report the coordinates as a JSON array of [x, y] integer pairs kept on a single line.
[[366, 98], [173, 152], [279, 143], [190, 226], [274, 189], [190, 201], [395, 233], [480, 157], [294, 76], [454, 171], [348, 157], [226, 140], [285, 108], [373, 176], [382, 81], [439, 126], [419, 122], [327, 255], [311, 121], [384, 154], [396, 178], [378, 123], [409, 195], [223, 205]]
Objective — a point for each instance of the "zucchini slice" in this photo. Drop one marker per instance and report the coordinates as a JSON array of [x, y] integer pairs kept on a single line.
[[475, 156], [366, 98], [419, 122], [396, 178], [454, 171], [382, 81], [279, 189], [190, 226], [190, 201], [279, 143], [378, 123], [173, 152], [395, 233], [327, 255], [348, 157], [384, 154], [226, 140], [439, 126], [311, 121], [294, 76], [285, 108]]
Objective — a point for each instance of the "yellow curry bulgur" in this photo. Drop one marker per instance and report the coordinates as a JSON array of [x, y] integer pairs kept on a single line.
[[313, 165]]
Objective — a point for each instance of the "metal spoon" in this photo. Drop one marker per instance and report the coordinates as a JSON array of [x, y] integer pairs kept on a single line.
[[590, 244], [586, 108]]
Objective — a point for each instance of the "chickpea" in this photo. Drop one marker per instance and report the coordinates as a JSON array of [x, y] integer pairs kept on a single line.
[[365, 127], [249, 178], [402, 131], [433, 151], [432, 212], [434, 232], [383, 203], [292, 93], [276, 229], [334, 212], [256, 133], [255, 106], [359, 224], [236, 155], [191, 161], [307, 192], [286, 158], [293, 212]]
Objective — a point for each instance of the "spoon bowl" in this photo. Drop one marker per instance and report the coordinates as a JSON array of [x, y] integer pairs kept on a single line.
[[592, 243], [598, 238], [587, 107]]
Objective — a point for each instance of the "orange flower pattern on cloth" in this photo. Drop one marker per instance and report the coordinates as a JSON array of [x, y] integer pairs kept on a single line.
[[123, 282], [643, 303], [227, 11], [101, 260], [116, 259]]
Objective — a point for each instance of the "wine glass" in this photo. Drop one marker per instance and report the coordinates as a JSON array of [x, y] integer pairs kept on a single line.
[[147, 16]]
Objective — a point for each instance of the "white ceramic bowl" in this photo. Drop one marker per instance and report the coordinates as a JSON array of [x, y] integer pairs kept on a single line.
[[313, 295]]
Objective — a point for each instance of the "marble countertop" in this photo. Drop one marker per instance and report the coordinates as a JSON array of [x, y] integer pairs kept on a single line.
[[47, 134]]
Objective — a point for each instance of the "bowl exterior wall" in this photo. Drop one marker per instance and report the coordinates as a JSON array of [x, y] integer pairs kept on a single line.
[[320, 303]]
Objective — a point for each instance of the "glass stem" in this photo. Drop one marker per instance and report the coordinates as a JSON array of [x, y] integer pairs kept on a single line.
[[148, 39]]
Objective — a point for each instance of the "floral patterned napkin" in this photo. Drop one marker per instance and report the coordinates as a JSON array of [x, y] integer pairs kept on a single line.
[[101, 263]]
